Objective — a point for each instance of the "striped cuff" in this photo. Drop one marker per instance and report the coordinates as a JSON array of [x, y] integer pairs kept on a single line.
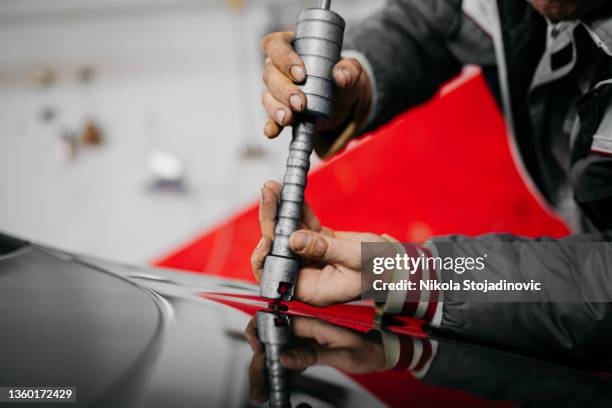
[[422, 304], [408, 353], [436, 319]]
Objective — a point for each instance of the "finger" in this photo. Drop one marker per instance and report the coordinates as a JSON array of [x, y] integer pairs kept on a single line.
[[259, 256], [271, 192], [258, 391], [250, 334], [268, 205], [347, 72], [275, 186], [319, 284], [300, 358], [272, 129], [316, 246], [344, 359], [278, 112], [277, 47], [325, 333], [310, 219], [283, 89]]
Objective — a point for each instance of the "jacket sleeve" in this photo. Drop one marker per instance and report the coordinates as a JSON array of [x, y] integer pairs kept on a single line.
[[476, 370], [524, 381], [408, 49], [571, 313]]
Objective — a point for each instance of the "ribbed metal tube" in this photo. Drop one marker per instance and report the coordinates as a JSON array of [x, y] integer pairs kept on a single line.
[[289, 213], [278, 382], [274, 332]]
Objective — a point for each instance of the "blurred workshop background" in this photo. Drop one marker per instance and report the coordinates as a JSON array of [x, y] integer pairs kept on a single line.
[[129, 126]]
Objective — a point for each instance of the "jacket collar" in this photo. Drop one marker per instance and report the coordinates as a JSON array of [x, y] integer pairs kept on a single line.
[[600, 30]]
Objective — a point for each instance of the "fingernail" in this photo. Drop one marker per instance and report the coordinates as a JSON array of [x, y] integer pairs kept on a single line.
[[296, 102], [298, 73], [299, 240], [260, 243], [280, 116], [265, 195], [339, 77], [347, 76]]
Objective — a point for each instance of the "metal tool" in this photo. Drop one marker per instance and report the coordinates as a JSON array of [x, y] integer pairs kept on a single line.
[[274, 332], [318, 41]]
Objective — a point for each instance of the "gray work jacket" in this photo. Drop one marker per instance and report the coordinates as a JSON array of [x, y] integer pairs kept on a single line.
[[554, 84]]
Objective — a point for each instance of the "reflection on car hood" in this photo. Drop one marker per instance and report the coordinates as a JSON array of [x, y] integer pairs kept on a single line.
[[133, 336]]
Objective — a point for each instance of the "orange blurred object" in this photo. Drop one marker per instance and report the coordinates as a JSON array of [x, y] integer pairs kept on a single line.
[[91, 134]]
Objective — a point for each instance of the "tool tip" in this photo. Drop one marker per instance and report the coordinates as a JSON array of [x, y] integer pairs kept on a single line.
[[278, 306]]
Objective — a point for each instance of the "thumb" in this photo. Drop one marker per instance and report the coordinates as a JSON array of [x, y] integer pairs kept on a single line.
[[316, 246]]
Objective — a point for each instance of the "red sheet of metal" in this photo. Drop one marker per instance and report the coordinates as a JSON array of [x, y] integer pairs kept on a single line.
[[356, 316], [442, 168]]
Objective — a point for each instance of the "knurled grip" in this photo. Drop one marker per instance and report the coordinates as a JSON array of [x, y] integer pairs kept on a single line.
[[318, 41]]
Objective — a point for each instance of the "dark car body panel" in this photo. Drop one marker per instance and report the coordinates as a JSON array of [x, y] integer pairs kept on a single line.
[[146, 337]]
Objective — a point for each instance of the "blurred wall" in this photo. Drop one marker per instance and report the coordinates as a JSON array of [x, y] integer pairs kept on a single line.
[[180, 77]]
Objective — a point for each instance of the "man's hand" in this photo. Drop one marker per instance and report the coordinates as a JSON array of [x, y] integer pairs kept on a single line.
[[284, 69], [316, 342], [331, 260], [333, 346]]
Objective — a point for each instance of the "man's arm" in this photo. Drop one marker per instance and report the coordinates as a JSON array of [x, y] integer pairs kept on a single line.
[[393, 60], [572, 312], [405, 47], [494, 375], [407, 50]]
